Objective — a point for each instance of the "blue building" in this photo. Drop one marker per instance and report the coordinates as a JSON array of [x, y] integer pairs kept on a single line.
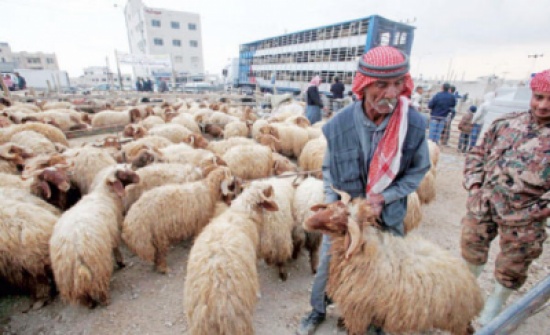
[[288, 62]]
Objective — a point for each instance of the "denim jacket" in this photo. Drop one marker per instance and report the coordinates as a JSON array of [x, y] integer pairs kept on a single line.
[[345, 165]]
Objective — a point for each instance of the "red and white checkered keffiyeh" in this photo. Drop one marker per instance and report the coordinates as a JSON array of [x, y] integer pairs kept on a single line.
[[387, 156], [541, 82]]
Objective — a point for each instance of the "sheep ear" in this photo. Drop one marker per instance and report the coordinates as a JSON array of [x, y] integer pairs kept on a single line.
[[225, 187], [343, 195], [117, 187], [269, 205]]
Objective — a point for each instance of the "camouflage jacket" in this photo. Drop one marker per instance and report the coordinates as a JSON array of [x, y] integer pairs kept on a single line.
[[512, 165]]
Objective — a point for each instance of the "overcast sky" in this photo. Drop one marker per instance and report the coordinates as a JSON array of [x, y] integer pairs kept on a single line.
[[467, 38]]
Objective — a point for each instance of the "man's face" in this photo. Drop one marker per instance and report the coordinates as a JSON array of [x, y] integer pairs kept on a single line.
[[420, 90], [540, 107], [383, 93]]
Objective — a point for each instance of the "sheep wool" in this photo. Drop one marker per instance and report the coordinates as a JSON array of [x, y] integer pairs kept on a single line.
[[426, 190], [221, 285], [34, 141], [311, 158], [413, 218], [171, 213], [25, 230], [249, 161], [85, 238]]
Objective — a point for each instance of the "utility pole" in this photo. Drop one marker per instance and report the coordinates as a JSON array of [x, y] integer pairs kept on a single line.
[[120, 81]]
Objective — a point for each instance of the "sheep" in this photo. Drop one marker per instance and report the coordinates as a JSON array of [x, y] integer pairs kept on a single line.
[[235, 129], [197, 141], [57, 105], [249, 161], [433, 148], [65, 120], [23, 196], [276, 235], [187, 121], [309, 193], [298, 120], [213, 130], [414, 213], [256, 126], [52, 133], [381, 279], [160, 174], [281, 164], [311, 158], [111, 118], [25, 230], [152, 121], [86, 163], [171, 213], [12, 157], [12, 180], [53, 184], [221, 147], [35, 142], [85, 238], [220, 118], [313, 133], [184, 154], [174, 132], [134, 131], [222, 267], [130, 150], [293, 138], [426, 190]]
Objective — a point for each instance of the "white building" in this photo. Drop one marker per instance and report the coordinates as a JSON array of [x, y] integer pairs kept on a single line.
[[10, 60], [154, 31], [97, 75]]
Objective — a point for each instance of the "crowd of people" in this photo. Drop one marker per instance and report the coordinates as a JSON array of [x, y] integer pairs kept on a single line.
[[506, 175]]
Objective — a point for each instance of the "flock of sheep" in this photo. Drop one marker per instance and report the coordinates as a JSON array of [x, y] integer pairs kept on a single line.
[[240, 196]]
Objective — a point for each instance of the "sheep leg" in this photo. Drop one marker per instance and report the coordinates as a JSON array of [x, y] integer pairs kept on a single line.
[[296, 249], [88, 302], [283, 274], [160, 261], [104, 299], [118, 258], [41, 294]]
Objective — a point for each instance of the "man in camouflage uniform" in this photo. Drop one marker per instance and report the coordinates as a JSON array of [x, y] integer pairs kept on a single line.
[[508, 179]]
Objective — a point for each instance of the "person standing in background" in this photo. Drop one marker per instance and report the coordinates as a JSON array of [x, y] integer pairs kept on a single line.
[[441, 106], [479, 117], [314, 103], [416, 98], [337, 89]]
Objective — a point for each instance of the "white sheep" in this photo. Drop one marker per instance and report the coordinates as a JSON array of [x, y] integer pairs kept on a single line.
[[171, 213], [54, 134], [311, 158], [221, 147], [85, 238], [293, 138], [130, 150], [86, 163], [111, 118], [152, 121], [221, 285], [174, 132], [37, 143], [25, 230], [400, 284], [249, 161], [187, 121], [160, 174], [235, 129], [309, 193], [14, 181], [256, 126]]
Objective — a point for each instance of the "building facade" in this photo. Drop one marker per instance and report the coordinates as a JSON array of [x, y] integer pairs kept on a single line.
[[288, 62], [100, 75], [10, 60], [154, 31]]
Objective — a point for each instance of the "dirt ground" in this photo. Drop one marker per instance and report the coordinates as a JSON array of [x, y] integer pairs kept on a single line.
[[145, 302]]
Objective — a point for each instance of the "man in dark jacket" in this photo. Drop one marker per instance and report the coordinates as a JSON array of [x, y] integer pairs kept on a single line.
[[376, 148], [442, 105], [337, 89], [21, 82]]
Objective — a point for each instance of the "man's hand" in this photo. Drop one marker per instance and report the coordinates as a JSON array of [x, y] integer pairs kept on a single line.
[[376, 201]]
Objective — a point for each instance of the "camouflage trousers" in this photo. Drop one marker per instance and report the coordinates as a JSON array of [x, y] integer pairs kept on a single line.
[[520, 242]]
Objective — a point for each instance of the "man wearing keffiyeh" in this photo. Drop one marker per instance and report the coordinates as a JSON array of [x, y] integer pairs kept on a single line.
[[376, 148], [507, 177]]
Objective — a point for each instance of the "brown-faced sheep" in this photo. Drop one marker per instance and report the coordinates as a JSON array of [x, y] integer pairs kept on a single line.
[[110, 118], [85, 238], [130, 150], [380, 279], [12, 158], [222, 286], [171, 213]]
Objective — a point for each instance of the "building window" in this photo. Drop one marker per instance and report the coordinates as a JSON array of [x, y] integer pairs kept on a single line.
[[155, 23], [194, 43], [178, 59], [176, 43], [33, 60], [192, 26], [158, 41], [49, 60], [175, 25]]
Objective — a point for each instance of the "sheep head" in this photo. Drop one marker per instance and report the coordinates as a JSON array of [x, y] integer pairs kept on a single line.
[[5, 101], [4, 121], [282, 164], [334, 219], [112, 142], [139, 132], [51, 178], [197, 141], [270, 130], [270, 141], [302, 122], [128, 131], [120, 178], [135, 115], [146, 157], [214, 130], [14, 153]]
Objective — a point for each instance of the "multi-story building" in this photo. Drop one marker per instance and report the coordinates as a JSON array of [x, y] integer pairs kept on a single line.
[[154, 31], [288, 62], [10, 60], [98, 75]]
